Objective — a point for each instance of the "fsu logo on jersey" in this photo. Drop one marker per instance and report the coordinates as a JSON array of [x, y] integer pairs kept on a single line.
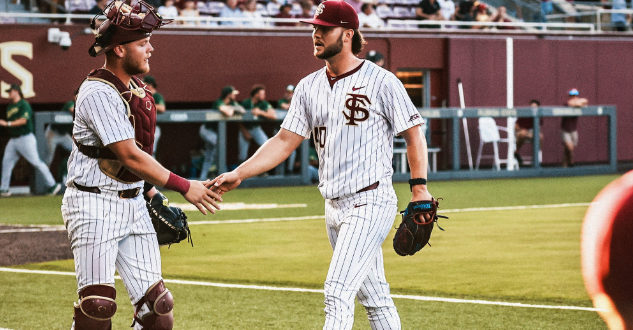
[[356, 104]]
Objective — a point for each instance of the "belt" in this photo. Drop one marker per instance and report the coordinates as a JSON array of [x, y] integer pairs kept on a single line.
[[124, 194], [368, 188]]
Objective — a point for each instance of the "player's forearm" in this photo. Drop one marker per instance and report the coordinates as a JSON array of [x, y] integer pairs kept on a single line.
[[146, 167], [160, 108], [17, 122], [270, 154], [417, 152]]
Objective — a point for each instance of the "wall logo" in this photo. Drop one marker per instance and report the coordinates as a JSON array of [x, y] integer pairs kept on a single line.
[[357, 106], [7, 51]]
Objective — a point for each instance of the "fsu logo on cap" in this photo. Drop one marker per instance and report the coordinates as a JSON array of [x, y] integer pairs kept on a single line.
[[319, 9]]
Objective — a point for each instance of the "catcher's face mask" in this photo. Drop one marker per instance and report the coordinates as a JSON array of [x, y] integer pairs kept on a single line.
[[127, 21]]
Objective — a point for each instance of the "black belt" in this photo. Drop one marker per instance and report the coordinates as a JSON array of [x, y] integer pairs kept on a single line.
[[125, 194]]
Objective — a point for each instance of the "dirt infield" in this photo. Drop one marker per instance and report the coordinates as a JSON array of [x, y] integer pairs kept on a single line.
[[32, 246]]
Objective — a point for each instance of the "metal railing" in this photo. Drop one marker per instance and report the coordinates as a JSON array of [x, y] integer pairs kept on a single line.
[[210, 22], [455, 115], [597, 14], [451, 25]]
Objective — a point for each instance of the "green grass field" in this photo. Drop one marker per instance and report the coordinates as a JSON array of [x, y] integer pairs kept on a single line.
[[528, 256]]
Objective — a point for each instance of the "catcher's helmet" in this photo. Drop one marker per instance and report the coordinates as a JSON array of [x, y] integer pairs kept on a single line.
[[126, 21]]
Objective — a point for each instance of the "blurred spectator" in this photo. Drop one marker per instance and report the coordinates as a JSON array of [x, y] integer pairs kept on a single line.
[[98, 8], [356, 4], [255, 17], [284, 12], [481, 15], [154, 3], [368, 18], [447, 9], [168, 10], [569, 129], [618, 20], [228, 106], [190, 9], [231, 11], [465, 13], [159, 101], [376, 58], [524, 131], [253, 131], [306, 11], [546, 9], [22, 142], [501, 16], [59, 134], [429, 10], [284, 103]]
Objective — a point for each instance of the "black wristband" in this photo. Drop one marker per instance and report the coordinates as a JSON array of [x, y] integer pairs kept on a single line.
[[146, 188], [415, 182]]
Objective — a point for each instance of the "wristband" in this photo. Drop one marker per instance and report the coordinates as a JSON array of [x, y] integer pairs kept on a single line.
[[8, 124], [415, 182], [177, 183]]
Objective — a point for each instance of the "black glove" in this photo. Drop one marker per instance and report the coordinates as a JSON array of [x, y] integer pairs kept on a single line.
[[170, 222], [417, 224]]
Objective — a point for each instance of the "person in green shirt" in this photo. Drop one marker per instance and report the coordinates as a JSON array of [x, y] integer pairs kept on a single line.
[[22, 142], [159, 101], [228, 106], [60, 134], [253, 131], [284, 103]]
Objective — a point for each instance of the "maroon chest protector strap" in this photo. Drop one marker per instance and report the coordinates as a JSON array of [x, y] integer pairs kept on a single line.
[[142, 115]]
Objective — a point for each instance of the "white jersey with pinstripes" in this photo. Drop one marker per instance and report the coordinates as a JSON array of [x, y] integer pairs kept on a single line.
[[353, 123], [100, 119]]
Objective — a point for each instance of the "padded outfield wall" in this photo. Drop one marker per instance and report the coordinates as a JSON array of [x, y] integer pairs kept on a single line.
[[191, 66]]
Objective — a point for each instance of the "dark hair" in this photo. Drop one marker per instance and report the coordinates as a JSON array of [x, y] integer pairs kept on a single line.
[[358, 42], [364, 6], [536, 101], [256, 89]]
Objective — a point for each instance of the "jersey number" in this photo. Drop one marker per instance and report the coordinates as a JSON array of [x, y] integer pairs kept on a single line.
[[320, 132]]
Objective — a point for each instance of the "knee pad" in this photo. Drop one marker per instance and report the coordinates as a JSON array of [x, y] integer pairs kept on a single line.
[[160, 303], [95, 308]]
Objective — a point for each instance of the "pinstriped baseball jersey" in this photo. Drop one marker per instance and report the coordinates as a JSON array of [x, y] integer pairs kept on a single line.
[[100, 119], [353, 119]]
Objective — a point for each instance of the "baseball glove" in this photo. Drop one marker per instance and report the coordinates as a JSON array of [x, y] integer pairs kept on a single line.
[[417, 224], [170, 222]]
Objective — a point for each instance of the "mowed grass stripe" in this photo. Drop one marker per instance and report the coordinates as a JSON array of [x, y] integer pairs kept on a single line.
[[37, 228], [286, 289]]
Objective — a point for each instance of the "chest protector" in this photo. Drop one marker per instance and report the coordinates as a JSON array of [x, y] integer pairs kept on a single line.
[[141, 112]]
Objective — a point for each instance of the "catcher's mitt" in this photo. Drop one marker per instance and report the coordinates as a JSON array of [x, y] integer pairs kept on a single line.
[[417, 224], [170, 222]]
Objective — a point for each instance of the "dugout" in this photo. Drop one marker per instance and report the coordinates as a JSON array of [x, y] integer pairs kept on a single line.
[[192, 65]]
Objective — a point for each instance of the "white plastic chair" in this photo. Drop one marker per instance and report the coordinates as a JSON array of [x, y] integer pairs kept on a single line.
[[489, 133]]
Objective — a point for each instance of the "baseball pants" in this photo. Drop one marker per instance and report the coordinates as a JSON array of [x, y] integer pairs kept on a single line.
[[357, 226], [257, 134], [54, 139], [108, 233], [210, 139], [25, 146]]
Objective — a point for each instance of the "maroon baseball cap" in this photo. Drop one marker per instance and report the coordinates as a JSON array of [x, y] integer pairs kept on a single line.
[[335, 13]]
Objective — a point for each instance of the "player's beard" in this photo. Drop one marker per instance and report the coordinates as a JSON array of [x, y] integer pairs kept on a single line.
[[133, 66], [332, 50]]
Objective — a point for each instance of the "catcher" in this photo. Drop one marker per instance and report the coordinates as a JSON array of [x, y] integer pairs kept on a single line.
[[414, 232]]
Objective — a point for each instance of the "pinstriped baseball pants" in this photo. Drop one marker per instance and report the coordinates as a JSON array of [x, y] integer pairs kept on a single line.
[[108, 233], [357, 226]]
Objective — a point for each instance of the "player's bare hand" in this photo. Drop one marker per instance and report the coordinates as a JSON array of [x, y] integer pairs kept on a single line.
[[202, 197], [420, 193], [226, 182]]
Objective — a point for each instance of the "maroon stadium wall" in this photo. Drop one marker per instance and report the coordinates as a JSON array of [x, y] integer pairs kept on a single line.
[[191, 67]]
